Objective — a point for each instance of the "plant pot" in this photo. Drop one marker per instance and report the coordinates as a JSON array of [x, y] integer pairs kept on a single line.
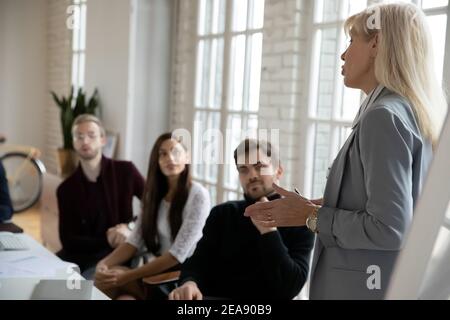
[[68, 162]]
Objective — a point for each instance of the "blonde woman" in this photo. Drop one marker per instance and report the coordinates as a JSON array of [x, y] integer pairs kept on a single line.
[[376, 178]]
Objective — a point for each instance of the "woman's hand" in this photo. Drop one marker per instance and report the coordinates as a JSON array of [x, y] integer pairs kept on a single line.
[[291, 210], [188, 291], [260, 226], [116, 278], [101, 273]]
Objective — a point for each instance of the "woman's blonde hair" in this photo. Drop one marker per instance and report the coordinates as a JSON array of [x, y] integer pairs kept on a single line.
[[404, 63]]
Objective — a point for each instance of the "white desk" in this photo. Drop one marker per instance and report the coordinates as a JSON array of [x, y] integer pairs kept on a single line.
[[19, 286]]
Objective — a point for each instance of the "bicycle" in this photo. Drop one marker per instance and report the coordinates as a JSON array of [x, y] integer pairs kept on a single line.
[[24, 174]]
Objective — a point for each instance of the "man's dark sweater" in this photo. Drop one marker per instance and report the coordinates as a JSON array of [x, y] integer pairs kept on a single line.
[[88, 209], [233, 260]]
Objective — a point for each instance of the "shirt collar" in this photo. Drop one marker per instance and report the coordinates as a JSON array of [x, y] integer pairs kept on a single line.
[[371, 97]]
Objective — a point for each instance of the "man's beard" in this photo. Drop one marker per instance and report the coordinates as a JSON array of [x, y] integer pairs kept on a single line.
[[263, 192], [88, 157]]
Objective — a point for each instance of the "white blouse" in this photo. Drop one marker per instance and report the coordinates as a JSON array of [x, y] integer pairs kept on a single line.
[[194, 214]]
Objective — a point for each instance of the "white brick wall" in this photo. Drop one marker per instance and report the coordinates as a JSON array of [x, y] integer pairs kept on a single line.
[[59, 72], [183, 73], [282, 86]]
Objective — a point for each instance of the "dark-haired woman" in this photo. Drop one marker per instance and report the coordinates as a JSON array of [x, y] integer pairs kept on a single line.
[[174, 211]]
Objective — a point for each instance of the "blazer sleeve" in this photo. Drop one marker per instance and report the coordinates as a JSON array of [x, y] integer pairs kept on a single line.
[[386, 153]]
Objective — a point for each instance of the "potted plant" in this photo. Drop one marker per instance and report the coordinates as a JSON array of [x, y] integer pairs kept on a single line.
[[70, 108]]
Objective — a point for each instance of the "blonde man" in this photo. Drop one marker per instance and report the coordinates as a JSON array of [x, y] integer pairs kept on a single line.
[[95, 202]]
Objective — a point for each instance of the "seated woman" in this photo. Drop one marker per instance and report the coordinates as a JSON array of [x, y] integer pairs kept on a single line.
[[174, 212]]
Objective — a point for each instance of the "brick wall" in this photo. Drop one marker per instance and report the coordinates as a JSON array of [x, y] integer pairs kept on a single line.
[[183, 72], [59, 73], [283, 101]]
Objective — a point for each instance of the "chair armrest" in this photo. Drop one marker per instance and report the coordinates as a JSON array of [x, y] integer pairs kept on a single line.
[[162, 278]]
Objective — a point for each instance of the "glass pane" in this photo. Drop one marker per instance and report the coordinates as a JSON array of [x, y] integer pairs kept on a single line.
[[83, 28], [236, 84], [327, 10], [230, 195], [355, 6], [257, 14], [212, 194], [81, 70], [219, 8], [427, 4], [211, 17], [327, 70], [344, 132], [212, 148], [240, 15], [209, 73], [252, 124], [75, 68], [438, 26], [234, 137], [216, 74], [206, 146], [202, 63], [351, 101], [205, 19], [200, 122], [255, 72], [76, 29], [321, 161]]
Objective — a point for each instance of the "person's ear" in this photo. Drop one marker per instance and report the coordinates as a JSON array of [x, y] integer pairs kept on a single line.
[[103, 140], [187, 157], [374, 45], [279, 172]]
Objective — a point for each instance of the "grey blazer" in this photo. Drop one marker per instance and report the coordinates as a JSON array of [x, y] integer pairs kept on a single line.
[[372, 188]]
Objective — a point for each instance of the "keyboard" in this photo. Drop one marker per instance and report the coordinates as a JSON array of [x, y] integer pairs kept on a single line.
[[9, 241]]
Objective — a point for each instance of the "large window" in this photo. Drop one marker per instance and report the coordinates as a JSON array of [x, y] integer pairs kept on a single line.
[[78, 44], [332, 106], [228, 70]]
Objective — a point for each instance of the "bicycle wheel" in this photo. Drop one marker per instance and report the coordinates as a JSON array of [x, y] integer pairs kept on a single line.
[[25, 179]]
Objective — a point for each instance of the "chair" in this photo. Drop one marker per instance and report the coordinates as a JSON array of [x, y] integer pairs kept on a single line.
[[49, 213], [159, 286]]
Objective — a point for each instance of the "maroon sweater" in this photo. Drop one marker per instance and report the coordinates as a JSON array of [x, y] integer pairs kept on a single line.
[[85, 215]]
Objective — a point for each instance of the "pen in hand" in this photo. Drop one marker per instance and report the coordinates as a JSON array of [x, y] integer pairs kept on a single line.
[[297, 192]]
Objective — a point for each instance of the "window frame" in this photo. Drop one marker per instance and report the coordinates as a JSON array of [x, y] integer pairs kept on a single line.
[[80, 52], [221, 189]]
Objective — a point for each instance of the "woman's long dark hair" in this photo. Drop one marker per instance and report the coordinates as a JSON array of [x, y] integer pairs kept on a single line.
[[155, 190]]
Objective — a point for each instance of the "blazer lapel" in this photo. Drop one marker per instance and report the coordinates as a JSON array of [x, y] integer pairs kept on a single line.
[[333, 186], [331, 194]]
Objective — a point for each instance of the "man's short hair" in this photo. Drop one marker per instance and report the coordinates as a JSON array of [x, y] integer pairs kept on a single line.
[[248, 145], [82, 118]]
